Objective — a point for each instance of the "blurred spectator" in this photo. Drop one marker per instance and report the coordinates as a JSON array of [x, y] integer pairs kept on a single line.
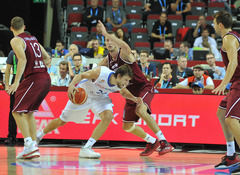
[[98, 50], [205, 41], [92, 14], [199, 76], [162, 29], [78, 67], [203, 25], [155, 7], [181, 7], [197, 88], [99, 36], [182, 70], [146, 67], [186, 50], [59, 50], [116, 17], [63, 79], [52, 70], [136, 55], [227, 88], [174, 53], [219, 72], [166, 80], [121, 35], [2, 53]]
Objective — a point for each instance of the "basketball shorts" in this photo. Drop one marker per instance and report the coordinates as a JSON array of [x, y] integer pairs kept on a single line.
[[231, 103], [77, 113], [31, 92], [129, 114]]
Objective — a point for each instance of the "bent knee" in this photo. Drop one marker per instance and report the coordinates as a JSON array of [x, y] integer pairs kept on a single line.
[[128, 127], [141, 110], [107, 118], [229, 121]]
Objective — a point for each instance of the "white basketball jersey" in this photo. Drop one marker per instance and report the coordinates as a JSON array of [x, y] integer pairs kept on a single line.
[[101, 86]]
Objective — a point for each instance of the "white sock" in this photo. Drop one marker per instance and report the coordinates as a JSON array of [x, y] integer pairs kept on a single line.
[[41, 135], [230, 148], [160, 135], [90, 143], [149, 139], [27, 141]]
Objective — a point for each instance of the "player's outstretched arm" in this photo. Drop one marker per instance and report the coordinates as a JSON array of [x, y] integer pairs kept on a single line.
[[103, 62]]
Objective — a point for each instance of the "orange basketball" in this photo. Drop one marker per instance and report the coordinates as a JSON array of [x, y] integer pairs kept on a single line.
[[80, 97]]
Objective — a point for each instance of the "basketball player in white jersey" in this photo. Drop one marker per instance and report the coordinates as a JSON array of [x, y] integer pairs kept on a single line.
[[98, 83]]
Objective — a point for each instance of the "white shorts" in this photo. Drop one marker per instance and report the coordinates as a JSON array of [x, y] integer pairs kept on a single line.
[[77, 113]]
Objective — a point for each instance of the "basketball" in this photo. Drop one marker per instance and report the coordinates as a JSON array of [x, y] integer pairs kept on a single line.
[[80, 97]]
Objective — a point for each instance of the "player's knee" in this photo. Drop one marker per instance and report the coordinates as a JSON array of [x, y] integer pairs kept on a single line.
[[60, 122], [128, 127], [107, 118]]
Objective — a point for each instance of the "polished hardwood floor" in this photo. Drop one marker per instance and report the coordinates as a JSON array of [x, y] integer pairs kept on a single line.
[[64, 160]]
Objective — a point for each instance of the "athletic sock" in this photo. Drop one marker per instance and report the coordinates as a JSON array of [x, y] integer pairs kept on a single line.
[[90, 143], [27, 141], [160, 135], [230, 148], [149, 139], [40, 135]]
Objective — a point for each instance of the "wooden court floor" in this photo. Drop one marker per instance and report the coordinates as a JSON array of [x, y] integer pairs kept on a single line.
[[113, 161]]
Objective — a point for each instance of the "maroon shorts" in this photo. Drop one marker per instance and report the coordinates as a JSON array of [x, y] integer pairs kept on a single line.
[[31, 92], [231, 103], [129, 114]]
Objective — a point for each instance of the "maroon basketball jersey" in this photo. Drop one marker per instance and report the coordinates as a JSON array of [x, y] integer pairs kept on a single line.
[[33, 55], [138, 81], [236, 74]]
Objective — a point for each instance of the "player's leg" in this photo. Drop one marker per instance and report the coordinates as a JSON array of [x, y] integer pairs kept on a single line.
[[54, 124], [152, 143], [165, 147], [87, 152]]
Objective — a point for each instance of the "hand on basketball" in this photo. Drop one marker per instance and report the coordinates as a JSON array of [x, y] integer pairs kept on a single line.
[[13, 88], [219, 90], [71, 89]]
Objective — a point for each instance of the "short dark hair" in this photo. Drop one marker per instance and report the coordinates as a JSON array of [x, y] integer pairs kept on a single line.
[[112, 32], [124, 70], [205, 29], [186, 44], [17, 23], [144, 51], [60, 41], [223, 17], [163, 13], [167, 63], [65, 63], [76, 54]]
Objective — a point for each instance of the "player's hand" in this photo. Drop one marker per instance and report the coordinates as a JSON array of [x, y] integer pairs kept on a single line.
[[138, 100], [102, 27], [71, 90], [13, 88], [7, 88], [220, 89]]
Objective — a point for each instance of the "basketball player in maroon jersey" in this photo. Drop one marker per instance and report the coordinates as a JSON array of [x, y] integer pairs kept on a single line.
[[229, 108], [33, 89], [139, 86]]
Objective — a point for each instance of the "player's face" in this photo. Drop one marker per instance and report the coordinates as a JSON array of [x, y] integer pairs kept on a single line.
[[216, 27], [123, 81], [198, 73], [111, 46], [166, 69]]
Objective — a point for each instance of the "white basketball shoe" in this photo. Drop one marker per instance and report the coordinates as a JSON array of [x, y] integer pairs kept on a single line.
[[29, 152], [88, 153]]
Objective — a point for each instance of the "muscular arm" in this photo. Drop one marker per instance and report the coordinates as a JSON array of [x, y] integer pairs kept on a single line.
[[126, 50], [18, 47], [45, 55], [231, 45], [103, 62], [128, 95]]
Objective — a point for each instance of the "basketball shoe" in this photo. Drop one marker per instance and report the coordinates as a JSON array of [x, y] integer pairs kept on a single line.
[[88, 153], [165, 147], [228, 161], [29, 152], [150, 148]]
